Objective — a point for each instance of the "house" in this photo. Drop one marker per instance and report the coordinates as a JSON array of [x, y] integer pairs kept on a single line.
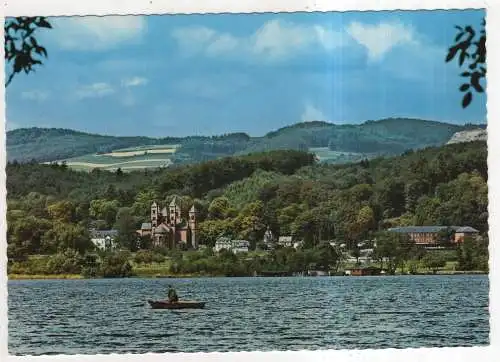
[[168, 228], [317, 273], [222, 243], [103, 239], [298, 244], [240, 246], [236, 246], [463, 232], [429, 236], [285, 241], [364, 271]]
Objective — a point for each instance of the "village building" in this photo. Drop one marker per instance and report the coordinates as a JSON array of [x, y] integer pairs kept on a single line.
[[269, 239], [466, 231], [103, 239], [298, 244], [235, 246], [169, 229], [285, 241], [364, 271], [429, 236]]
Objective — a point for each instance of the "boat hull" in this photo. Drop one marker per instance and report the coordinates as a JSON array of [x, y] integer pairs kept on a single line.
[[177, 305]]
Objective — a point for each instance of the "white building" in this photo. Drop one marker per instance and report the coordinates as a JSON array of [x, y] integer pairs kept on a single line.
[[240, 246], [103, 239], [236, 246], [285, 241]]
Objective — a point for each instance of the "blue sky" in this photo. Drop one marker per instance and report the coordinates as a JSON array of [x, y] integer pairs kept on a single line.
[[181, 75]]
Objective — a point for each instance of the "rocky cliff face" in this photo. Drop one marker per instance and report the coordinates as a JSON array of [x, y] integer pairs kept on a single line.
[[469, 136]]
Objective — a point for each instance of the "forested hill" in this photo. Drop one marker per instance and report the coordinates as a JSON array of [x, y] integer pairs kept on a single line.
[[50, 207], [50, 144], [384, 137]]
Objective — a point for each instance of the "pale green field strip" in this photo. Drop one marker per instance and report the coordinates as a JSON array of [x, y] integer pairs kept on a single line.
[[140, 152], [109, 160], [147, 147], [119, 164], [326, 153]]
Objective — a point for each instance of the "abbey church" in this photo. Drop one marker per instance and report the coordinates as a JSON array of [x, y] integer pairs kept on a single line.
[[169, 229]]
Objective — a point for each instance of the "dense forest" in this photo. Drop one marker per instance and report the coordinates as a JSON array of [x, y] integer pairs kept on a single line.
[[384, 137], [51, 208]]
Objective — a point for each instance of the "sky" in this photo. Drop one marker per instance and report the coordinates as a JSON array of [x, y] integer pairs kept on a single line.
[[179, 75]]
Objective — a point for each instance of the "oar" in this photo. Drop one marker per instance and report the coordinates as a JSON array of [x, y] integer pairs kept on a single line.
[[137, 305]]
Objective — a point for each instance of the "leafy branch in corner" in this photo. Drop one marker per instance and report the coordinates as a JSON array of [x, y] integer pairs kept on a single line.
[[470, 48], [22, 51]]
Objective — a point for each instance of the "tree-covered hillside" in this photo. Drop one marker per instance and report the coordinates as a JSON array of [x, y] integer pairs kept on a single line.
[[388, 136], [241, 196], [51, 144], [385, 137]]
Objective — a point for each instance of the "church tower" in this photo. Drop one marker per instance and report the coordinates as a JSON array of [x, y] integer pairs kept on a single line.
[[174, 212], [154, 214], [192, 227]]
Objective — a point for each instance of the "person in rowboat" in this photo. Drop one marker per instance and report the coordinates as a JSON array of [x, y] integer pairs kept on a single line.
[[172, 295]]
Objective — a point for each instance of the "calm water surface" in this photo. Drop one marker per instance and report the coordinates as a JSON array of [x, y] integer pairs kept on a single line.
[[111, 316]]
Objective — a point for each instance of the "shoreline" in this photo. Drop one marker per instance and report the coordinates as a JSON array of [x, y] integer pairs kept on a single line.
[[80, 277]]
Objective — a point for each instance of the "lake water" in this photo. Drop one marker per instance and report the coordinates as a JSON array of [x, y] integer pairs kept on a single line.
[[112, 316]]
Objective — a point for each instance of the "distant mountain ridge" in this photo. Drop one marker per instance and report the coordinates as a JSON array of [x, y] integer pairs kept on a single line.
[[383, 137]]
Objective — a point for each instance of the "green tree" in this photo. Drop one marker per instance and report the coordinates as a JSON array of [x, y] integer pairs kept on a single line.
[[115, 265], [365, 220], [328, 257], [104, 210], [142, 202], [210, 230], [434, 261], [126, 227], [63, 236], [219, 208], [393, 247], [472, 254], [250, 222], [62, 211]]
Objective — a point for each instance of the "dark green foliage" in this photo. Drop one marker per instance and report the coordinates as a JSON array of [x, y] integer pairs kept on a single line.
[[470, 50], [148, 257], [115, 265], [22, 51], [473, 254], [434, 261], [126, 225]]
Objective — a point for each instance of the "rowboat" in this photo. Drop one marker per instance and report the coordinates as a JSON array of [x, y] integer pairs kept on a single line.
[[186, 304]]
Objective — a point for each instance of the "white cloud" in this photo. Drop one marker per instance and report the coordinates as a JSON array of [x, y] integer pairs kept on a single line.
[[279, 39], [275, 40], [35, 95], [312, 113], [223, 43], [134, 82], [95, 90], [381, 38], [193, 39], [97, 33]]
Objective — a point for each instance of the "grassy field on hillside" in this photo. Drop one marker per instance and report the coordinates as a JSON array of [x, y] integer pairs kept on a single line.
[[127, 159], [324, 154]]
